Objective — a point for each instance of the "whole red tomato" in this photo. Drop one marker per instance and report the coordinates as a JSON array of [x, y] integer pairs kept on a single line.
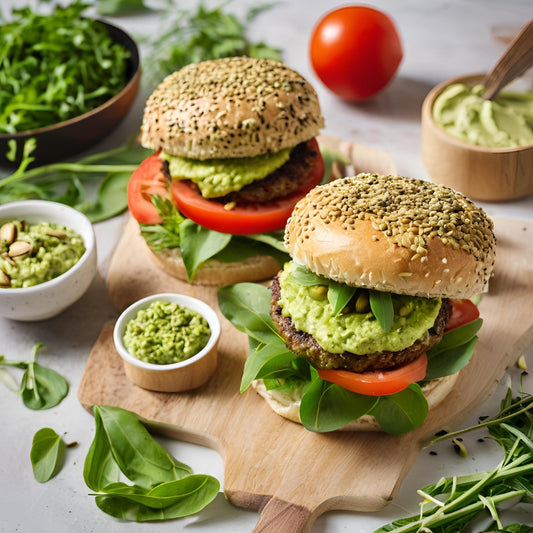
[[355, 51]]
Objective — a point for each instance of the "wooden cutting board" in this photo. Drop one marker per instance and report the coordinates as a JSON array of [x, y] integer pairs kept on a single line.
[[272, 465]]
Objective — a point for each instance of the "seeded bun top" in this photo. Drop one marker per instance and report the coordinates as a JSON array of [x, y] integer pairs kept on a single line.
[[394, 234], [231, 107]]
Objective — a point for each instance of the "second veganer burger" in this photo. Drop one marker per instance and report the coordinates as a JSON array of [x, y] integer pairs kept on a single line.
[[235, 149], [375, 305]]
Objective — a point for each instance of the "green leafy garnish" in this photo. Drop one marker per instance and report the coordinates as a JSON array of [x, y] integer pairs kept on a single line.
[[325, 406], [47, 454], [382, 309], [163, 488], [56, 67], [71, 183], [192, 36], [456, 503], [40, 386], [115, 8]]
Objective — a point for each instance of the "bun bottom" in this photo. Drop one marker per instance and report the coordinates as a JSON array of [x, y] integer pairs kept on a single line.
[[288, 406], [212, 272]]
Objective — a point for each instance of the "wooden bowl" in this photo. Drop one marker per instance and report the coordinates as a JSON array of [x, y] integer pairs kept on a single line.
[[481, 173], [175, 377], [72, 136]]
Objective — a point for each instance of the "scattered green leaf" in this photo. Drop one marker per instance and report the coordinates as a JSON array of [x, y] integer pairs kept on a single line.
[[163, 487], [47, 454]]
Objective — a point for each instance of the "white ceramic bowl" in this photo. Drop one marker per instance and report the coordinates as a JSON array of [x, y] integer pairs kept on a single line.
[[175, 377], [51, 297]]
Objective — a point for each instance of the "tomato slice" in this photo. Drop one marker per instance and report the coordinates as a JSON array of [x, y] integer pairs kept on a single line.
[[378, 383], [146, 180], [246, 219], [463, 311]]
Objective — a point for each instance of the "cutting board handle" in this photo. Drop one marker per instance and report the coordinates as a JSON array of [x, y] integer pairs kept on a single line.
[[283, 517]]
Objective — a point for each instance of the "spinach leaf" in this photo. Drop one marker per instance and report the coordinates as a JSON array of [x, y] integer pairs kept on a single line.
[[456, 337], [185, 497], [112, 197], [163, 487], [382, 308], [140, 458], [446, 362], [328, 407], [40, 387], [247, 306], [304, 277], [403, 411], [339, 295], [268, 361], [47, 454], [198, 244]]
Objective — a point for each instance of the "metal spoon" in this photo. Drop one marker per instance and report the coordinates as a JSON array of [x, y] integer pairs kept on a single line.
[[515, 61]]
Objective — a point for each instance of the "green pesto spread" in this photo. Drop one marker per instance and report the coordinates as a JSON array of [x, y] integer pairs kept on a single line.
[[218, 177], [166, 333], [358, 333], [31, 254], [506, 121]]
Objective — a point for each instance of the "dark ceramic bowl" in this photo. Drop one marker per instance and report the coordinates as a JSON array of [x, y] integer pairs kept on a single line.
[[70, 137]]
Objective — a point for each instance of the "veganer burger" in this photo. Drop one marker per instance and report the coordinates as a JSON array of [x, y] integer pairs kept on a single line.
[[375, 304], [235, 149]]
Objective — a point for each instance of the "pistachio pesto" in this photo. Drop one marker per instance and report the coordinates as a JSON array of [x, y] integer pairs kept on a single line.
[[166, 333], [358, 333], [31, 254], [218, 177]]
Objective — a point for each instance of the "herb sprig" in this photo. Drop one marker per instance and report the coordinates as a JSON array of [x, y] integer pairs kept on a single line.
[[72, 183], [453, 503]]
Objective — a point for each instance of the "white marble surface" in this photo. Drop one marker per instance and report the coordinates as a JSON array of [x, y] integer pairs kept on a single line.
[[441, 39]]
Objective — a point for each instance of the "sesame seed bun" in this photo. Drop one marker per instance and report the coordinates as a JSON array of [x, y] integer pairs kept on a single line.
[[231, 107], [287, 404], [213, 272], [394, 234]]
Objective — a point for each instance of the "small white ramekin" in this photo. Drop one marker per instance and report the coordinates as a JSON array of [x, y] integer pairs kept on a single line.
[[175, 377], [50, 298]]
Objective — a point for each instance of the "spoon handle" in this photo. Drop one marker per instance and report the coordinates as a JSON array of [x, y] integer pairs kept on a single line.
[[515, 61]]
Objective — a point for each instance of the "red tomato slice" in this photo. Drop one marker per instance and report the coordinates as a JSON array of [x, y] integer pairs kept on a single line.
[[378, 383], [146, 180], [246, 219], [463, 311]]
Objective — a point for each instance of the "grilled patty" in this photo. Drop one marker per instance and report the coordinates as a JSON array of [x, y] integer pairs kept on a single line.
[[282, 182], [305, 345]]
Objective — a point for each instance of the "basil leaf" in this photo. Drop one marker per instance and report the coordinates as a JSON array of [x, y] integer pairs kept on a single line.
[[401, 412], [328, 407], [140, 458], [246, 306], [169, 500], [198, 244], [241, 247], [447, 362], [42, 387], [47, 454], [382, 308], [339, 295]]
